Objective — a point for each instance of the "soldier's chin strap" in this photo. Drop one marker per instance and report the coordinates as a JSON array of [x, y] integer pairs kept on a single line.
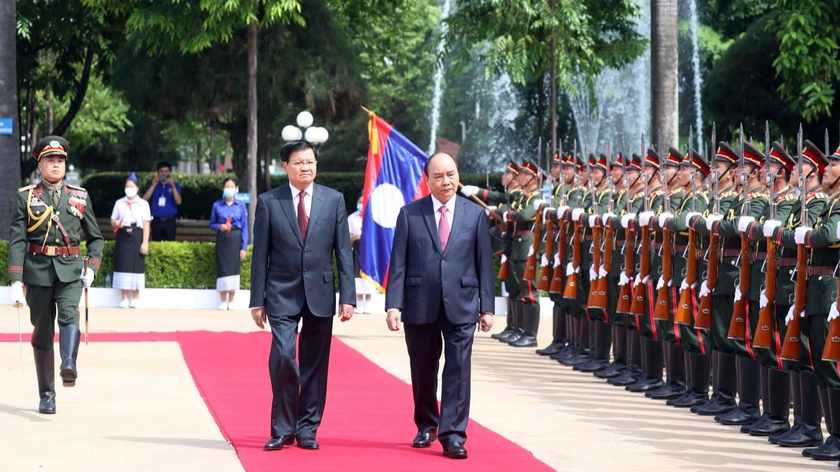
[[672, 178]]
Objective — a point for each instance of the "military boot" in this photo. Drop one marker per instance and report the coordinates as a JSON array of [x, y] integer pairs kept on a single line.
[[558, 333], [676, 374], [727, 381], [616, 368], [68, 342], [45, 371], [809, 432], [582, 354], [749, 392], [778, 390], [698, 387], [603, 341], [764, 390], [830, 450], [634, 361], [796, 393], [508, 322], [518, 328], [530, 326], [652, 364]]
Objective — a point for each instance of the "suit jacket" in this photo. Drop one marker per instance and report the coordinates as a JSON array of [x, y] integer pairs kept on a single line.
[[421, 275], [285, 271]]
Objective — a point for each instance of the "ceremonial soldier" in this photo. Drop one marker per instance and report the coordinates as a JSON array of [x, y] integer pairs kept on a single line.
[[523, 218], [49, 221], [821, 242], [724, 378], [774, 381], [695, 345], [808, 399]]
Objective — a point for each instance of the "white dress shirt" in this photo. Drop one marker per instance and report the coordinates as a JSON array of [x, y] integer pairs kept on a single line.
[[450, 215], [131, 212], [307, 201]]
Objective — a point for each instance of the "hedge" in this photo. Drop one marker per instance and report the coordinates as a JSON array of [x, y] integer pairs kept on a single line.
[[200, 191], [170, 264]]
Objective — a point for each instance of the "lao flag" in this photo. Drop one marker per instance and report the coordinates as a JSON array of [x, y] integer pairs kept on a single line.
[[394, 176]]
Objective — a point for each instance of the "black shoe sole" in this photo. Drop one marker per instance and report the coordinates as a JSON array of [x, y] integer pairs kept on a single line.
[[454, 456]]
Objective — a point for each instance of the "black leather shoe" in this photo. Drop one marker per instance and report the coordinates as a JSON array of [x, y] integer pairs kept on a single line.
[[424, 439], [455, 450], [829, 451], [308, 443], [68, 343], [275, 444], [552, 348]]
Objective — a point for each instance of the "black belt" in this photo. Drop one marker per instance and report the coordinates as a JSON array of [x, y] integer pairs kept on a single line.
[[821, 270], [163, 220], [731, 252], [787, 261]]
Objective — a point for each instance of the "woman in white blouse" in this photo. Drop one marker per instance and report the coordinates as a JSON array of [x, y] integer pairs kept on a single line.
[[131, 220]]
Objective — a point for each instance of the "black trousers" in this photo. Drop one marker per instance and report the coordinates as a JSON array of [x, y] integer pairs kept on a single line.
[[300, 392], [425, 342], [163, 230]]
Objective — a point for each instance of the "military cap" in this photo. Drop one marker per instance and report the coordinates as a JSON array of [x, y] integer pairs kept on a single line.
[[726, 154], [51, 146], [836, 154], [616, 162], [753, 156], [512, 167], [598, 162], [529, 166], [779, 154], [697, 160], [651, 158], [675, 157], [813, 155], [635, 162], [568, 159], [558, 159]]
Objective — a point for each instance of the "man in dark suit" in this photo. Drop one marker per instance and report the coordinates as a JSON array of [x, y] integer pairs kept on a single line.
[[441, 284], [297, 229]]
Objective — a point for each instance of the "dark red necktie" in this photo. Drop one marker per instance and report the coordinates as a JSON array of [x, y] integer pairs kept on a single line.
[[303, 219]]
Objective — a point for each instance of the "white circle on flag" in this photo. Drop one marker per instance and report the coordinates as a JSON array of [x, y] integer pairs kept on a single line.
[[385, 203]]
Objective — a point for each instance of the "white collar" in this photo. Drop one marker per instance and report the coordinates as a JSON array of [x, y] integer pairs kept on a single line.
[[295, 190], [450, 205]]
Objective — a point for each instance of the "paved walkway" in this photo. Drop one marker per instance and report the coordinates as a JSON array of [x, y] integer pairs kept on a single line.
[[137, 408]]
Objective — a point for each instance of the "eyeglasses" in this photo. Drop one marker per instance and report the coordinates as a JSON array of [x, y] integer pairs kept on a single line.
[[300, 164]]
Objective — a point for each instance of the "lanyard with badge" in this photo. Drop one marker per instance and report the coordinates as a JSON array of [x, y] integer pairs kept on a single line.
[[162, 198]]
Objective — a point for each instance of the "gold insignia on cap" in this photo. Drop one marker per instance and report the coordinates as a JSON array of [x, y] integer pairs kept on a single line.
[[54, 144]]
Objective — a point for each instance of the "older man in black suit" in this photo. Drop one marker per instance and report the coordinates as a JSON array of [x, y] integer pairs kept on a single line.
[[440, 284], [298, 228]]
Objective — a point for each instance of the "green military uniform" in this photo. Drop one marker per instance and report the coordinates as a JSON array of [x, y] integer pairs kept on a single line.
[[49, 221]]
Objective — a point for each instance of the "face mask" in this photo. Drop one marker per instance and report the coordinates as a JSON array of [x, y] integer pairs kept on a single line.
[[359, 207], [131, 192], [229, 192]]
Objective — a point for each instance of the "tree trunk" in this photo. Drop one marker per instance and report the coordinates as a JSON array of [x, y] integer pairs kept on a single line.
[[252, 122], [553, 82], [9, 144], [540, 113], [664, 72]]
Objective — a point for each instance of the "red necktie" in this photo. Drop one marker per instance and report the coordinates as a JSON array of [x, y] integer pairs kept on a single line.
[[443, 228], [303, 219]]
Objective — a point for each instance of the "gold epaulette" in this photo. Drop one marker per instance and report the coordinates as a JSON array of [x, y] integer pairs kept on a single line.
[[730, 193], [675, 191], [27, 188], [757, 195], [817, 194]]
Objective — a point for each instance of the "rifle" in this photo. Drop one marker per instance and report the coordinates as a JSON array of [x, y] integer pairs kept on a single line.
[[790, 348], [831, 352], [663, 298], [596, 242], [738, 324], [545, 264], [570, 291], [686, 305], [558, 273], [625, 292], [599, 289], [531, 264], [639, 293], [703, 320], [504, 269], [766, 319]]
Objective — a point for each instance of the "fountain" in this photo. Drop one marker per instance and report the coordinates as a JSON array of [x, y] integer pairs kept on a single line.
[[438, 79], [695, 66]]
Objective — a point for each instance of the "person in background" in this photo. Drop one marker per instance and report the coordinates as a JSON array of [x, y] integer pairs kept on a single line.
[[229, 219], [164, 196], [363, 289], [131, 221]]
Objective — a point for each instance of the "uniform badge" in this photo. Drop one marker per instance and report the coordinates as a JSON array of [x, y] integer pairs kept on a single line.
[[75, 212]]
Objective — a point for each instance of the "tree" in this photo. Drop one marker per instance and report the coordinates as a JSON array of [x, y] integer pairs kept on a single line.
[[9, 144], [664, 70]]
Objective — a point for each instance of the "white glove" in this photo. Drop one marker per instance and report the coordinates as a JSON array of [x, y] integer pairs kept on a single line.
[[744, 223], [570, 269], [469, 190], [593, 220], [664, 217], [577, 213], [546, 211], [556, 259], [691, 215], [800, 233], [661, 283], [530, 251], [87, 277], [711, 219], [603, 272], [537, 203], [504, 258], [704, 290], [561, 211], [17, 294], [770, 227], [645, 217], [625, 220], [491, 207], [789, 316], [593, 275], [606, 218], [505, 217], [683, 285], [833, 313], [544, 261], [738, 294], [487, 211], [638, 279], [623, 279], [838, 231], [763, 301]]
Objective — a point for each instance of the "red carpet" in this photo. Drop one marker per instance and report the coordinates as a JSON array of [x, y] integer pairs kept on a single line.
[[367, 424]]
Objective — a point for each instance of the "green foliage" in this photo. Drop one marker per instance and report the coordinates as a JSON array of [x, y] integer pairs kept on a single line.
[[200, 191], [710, 41], [104, 114], [808, 61]]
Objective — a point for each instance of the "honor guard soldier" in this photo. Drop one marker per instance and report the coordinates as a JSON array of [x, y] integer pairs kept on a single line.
[[49, 221]]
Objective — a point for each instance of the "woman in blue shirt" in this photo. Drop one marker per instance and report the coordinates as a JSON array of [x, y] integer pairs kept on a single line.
[[229, 219]]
